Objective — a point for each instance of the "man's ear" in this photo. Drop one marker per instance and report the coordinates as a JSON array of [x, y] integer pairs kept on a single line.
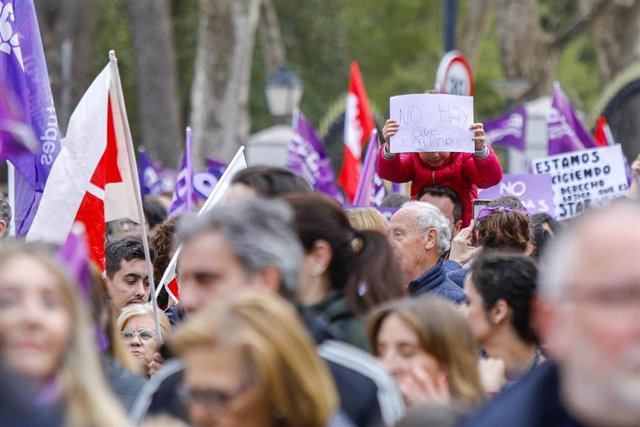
[[457, 227], [431, 239], [269, 278], [3, 228]]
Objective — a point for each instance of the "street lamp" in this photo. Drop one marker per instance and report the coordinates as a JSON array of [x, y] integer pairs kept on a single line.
[[511, 89], [284, 91]]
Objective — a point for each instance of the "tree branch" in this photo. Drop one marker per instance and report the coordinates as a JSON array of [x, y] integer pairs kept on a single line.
[[579, 26]]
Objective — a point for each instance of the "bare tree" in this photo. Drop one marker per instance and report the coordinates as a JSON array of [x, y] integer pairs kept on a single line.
[[528, 52], [220, 92], [474, 28], [616, 36], [270, 37], [156, 78], [67, 28]]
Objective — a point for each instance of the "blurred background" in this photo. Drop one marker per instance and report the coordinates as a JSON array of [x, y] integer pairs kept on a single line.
[[205, 63]]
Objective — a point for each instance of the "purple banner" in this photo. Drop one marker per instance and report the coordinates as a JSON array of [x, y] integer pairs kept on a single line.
[[534, 191], [149, 173], [308, 158], [204, 182], [371, 190], [509, 130], [183, 192], [566, 131], [24, 71], [74, 256]]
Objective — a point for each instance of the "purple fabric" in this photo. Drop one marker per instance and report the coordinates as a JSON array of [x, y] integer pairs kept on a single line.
[[307, 157], [74, 256], [566, 131], [370, 191], [205, 181], [183, 192], [535, 191], [149, 173], [16, 136], [24, 71], [509, 130]]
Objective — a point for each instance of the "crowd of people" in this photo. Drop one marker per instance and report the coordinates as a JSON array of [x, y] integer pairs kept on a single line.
[[295, 311]]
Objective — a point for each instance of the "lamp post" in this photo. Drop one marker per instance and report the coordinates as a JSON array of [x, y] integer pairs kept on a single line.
[[284, 91]]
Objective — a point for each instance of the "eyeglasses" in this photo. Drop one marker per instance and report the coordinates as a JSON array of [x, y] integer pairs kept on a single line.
[[143, 334], [212, 399]]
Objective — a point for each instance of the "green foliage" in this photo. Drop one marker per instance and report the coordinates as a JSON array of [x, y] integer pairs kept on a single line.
[[113, 34]]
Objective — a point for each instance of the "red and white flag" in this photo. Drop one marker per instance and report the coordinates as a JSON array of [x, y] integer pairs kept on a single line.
[[602, 133], [358, 126], [91, 180]]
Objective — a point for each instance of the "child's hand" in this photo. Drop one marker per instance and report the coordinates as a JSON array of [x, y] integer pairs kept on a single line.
[[478, 135], [389, 129]]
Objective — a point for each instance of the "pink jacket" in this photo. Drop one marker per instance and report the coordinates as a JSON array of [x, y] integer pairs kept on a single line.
[[463, 173]]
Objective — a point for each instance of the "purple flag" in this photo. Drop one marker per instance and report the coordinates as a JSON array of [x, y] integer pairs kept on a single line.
[[308, 158], [16, 136], [534, 191], [74, 255], [370, 189], [508, 130], [24, 71], [149, 173], [205, 181], [183, 192], [566, 131]]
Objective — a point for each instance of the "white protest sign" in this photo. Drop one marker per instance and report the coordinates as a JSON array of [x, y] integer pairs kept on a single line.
[[432, 122], [584, 178]]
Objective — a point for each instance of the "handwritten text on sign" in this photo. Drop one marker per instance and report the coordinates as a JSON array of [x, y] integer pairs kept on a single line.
[[432, 122], [534, 191], [584, 178]]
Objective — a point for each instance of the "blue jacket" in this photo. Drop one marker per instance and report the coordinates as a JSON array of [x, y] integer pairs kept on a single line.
[[455, 272], [435, 282], [532, 402]]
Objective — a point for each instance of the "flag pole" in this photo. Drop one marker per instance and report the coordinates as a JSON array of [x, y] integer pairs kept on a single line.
[[11, 197], [187, 149], [214, 197], [113, 61]]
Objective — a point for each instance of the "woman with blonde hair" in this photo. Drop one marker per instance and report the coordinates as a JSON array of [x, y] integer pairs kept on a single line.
[[429, 349], [249, 362], [367, 218], [45, 336], [137, 329]]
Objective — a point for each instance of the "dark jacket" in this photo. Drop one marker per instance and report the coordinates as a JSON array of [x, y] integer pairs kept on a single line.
[[455, 272], [175, 315], [532, 402], [125, 384], [435, 282], [343, 324]]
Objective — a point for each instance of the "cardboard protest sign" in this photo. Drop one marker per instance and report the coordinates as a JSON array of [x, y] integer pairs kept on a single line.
[[584, 178], [534, 191], [432, 122]]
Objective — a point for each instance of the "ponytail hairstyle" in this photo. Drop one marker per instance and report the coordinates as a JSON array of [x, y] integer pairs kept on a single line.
[[362, 265]]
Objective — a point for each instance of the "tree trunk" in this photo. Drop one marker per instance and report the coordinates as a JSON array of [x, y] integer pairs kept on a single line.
[[67, 28], [220, 93], [156, 78], [271, 38], [474, 28], [616, 36], [527, 51]]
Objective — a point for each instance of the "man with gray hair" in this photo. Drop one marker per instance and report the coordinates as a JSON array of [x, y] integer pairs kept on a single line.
[[420, 235], [5, 217], [587, 319], [249, 243]]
